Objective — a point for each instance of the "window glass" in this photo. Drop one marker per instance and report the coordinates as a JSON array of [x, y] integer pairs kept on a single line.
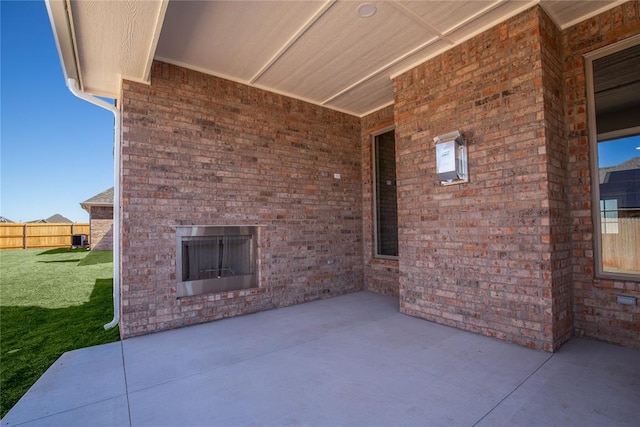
[[386, 202], [615, 85], [609, 216], [619, 192]]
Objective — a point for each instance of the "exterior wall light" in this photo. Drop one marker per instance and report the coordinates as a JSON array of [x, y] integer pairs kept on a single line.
[[451, 158]]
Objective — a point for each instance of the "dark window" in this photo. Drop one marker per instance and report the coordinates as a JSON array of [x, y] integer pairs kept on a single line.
[[386, 200]]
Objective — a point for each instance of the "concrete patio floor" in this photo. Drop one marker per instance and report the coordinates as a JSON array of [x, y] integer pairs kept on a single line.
[[350, 360]]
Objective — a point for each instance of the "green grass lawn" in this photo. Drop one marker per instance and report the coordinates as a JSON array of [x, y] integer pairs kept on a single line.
[[51, 301]]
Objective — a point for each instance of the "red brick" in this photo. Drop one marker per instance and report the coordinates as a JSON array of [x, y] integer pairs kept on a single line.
[[199, 150]]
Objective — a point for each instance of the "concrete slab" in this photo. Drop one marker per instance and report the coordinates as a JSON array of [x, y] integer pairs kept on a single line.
[[201, 348], [106, 413], [347, 377], [78, 379], [349, 360], [586, 383]]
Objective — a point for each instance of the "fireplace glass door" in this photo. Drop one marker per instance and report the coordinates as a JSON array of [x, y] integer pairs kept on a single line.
[[215, 259]]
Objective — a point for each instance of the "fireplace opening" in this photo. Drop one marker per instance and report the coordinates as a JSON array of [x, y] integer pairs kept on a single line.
[[214, 259]]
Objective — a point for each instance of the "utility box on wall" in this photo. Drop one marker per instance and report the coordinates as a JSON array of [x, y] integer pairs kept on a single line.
[[451, 158]]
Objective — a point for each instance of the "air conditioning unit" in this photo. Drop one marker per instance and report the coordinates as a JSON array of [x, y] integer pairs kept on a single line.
[[79, 240]]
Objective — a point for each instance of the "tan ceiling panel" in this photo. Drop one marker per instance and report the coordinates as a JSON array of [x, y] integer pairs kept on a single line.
[[109, 36], [230, 38], [429, 51], [446, 15], [342, 48], [368, 97], [566, 13], [318, 51], [489, 18], [375, 92]]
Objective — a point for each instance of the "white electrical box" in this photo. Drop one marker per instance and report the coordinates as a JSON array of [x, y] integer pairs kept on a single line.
[[451, 158]]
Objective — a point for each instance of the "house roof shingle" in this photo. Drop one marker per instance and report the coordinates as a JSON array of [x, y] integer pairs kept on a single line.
[[57, 219], [102, 199], [53, 219], [605, 173]]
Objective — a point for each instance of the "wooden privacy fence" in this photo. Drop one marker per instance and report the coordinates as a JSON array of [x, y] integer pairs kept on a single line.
[[621, 248], [39, 235]]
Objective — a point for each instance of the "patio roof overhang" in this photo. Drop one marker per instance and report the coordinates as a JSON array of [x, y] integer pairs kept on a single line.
[[323, 52], [102, 42]]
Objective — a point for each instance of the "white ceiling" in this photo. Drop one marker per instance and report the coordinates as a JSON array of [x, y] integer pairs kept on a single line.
[[322, 52]]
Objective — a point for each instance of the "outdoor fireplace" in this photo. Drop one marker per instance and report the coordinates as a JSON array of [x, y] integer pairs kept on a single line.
[[214, 259]]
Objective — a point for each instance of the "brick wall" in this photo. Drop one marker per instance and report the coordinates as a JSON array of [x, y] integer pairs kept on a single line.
[[509, 254], [380, 275], [597, 314], [477, 256], [559, 221], [199, 150], [101, 228]]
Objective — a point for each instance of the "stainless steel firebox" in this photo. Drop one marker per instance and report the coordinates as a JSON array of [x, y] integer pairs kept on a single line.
[[214, 259]]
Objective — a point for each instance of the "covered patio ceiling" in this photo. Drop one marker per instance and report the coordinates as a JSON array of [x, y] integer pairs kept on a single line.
[[334, 53]]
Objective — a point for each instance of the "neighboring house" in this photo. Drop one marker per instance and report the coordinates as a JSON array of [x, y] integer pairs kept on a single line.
[[4, 220], [622, 184], [257, 136], [100, 208], [58, 219], [53, 219]]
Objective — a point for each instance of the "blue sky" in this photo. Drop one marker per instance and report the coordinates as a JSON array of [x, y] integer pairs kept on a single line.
[[56, 150], [611, 153]]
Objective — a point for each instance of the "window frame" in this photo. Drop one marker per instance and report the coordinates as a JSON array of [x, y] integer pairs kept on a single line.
[[594, 140], [374, 188]]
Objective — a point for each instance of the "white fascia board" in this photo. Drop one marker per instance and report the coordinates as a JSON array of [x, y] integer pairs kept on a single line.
[[64, 38], [159, 21]]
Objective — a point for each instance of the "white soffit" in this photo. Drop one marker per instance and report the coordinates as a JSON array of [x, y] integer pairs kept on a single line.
[[342, 49], [370, 96], [318, 51], [567, 13], [115, 39], [231, 38], [474, 18]]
